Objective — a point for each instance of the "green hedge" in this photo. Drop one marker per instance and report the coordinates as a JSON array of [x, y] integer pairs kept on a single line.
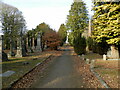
[[79, 45]]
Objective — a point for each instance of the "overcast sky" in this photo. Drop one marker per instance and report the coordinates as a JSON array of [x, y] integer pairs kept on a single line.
[[52, 12]]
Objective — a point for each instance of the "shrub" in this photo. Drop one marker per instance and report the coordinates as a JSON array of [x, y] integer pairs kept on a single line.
[[89, 42], [52, 40], [100, 48], [79, 45]]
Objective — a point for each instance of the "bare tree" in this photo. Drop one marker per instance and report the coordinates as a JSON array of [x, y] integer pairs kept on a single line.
[[13, 24]]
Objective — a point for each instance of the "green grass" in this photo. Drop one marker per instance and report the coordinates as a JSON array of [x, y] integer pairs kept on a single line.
[[16, 64], [110, 72], [93, 56]]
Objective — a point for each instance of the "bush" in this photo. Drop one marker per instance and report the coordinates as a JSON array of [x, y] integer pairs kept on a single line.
[[52, 40], [90, 43], [100, 48], [79, 45]]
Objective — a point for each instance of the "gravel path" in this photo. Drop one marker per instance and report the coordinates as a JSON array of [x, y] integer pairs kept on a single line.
[[60, 74]]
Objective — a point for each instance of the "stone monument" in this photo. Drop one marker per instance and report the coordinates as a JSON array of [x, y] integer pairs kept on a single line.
[[68, 32], [38, 47], [20, 49], [33, 43], [113, 53]]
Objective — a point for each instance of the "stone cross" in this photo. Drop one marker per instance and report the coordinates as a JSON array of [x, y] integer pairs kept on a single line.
[[38, 47]]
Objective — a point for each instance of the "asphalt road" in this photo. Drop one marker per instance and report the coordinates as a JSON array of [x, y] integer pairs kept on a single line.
[[60, 74]]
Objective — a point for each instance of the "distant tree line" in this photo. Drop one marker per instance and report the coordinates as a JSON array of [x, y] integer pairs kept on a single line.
[[14, 28], [13, 25]]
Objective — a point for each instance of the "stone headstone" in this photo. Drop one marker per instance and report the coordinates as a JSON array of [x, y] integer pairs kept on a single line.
[[88, 61], [109, 53], [11, 54], [25, 63], [4, 56], [113, 53], [7, 74], [104, 57], [33, 44], [92, 64], [38, 47], [20, 49]]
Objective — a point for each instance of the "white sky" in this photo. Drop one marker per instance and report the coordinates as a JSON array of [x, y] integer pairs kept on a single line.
[[52, 12]]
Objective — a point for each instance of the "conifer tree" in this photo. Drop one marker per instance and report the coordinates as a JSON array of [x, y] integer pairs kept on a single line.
[[77, 21], [63, 33], [106, 24]]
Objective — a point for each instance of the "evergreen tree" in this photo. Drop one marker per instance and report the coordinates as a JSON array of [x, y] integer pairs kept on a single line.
[[63, 33], [106, 22], [77, 21]]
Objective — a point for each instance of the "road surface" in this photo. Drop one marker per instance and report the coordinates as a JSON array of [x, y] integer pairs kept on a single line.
[[61, 74]]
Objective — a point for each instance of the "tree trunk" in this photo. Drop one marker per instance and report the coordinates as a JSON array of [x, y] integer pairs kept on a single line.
[[114, 52]]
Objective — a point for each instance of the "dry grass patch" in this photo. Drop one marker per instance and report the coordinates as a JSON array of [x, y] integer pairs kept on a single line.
[[108, 70]]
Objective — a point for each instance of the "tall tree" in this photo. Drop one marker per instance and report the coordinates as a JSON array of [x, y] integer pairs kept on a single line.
[[42, 29], [106, 26], [77, 21], [63, 33], [13, 24]]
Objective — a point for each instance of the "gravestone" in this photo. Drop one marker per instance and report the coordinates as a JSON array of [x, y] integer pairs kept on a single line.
[[88, 61], [20, 48], [113, 53], [67, 42], [38, 47], [104, 57], [92, 64], [7, 74], [11, 54], [108, 53], [33, 43]]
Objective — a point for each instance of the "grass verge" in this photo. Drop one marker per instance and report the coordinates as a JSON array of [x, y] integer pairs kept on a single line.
[[108, 70], [17, 65]]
